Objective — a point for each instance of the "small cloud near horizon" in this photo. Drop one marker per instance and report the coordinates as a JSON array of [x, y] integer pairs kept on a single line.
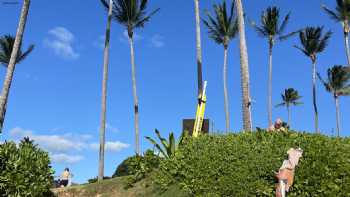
[[60, 145]]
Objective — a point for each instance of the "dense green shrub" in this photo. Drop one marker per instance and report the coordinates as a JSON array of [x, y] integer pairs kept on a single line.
[[138, 164], [244, 165], [137, 167], [24, 170]]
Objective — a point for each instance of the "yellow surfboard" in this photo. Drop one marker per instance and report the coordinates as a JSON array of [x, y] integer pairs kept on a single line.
[[200, 113]]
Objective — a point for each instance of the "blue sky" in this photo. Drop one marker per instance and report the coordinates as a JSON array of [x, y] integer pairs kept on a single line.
[[55, 97]]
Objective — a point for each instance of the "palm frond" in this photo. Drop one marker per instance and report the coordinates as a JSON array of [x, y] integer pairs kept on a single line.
[[302, 50], [331, 13], [162, 140], [280, 105], [284, 24], [152, 141], [21, 56], [223, 26], [289, 35]]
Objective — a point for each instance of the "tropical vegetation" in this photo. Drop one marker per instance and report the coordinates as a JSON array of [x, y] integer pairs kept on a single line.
[[338, 84], [25, 170], [313, 41], [290, 97], [15, 54], [132, 14], [243, 164], [341, 15], [222, 28], [273, 29]]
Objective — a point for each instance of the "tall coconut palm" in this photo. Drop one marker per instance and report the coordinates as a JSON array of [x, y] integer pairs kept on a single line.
[[313, 42], [6, 46], [132, 14], [290, 97], [271, 28], [198, 49], [337, 83], [12, 63], [246, 100], [341, 15], [223, 27], [104, 92]]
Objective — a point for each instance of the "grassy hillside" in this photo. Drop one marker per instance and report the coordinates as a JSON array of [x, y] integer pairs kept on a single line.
[[238, 165], [115, 188]]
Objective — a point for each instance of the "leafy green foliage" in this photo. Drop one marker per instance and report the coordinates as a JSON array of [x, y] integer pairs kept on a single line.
[[24, 170], [244, 165], [6, 46], [167, 147], [290, 97], [131, 14], [313, 41], [137, 167], [270, 26], [223, 27], [338, 78], [341, 12]]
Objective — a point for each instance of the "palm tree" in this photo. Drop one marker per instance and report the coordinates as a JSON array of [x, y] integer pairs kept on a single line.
[[271, 28], [338, 84], [289, 97], [198, 49], [246, 100], [341, 14], [6, 46], [222, 29], [132, 14], [313, 42], [12, 63], [104, 93]]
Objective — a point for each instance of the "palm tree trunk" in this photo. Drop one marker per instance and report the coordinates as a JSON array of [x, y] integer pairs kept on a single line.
[[246, 100], [12, 64], [136, 102], [337, 114], [225, 91], [289, 117], [346, 37], [314, 100], [104, 95], [270, 85], [199, 49]]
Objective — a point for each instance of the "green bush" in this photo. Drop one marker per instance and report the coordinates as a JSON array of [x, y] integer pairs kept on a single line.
[[244, 165], [137, 167], [24, 170]]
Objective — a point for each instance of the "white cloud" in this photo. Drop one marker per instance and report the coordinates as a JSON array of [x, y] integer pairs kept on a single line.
[[51, 143], [67, 142], [61, 42], [66, 159], [111, 146], [62, 34], [125, 37], [59, 145], [157, 41]]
